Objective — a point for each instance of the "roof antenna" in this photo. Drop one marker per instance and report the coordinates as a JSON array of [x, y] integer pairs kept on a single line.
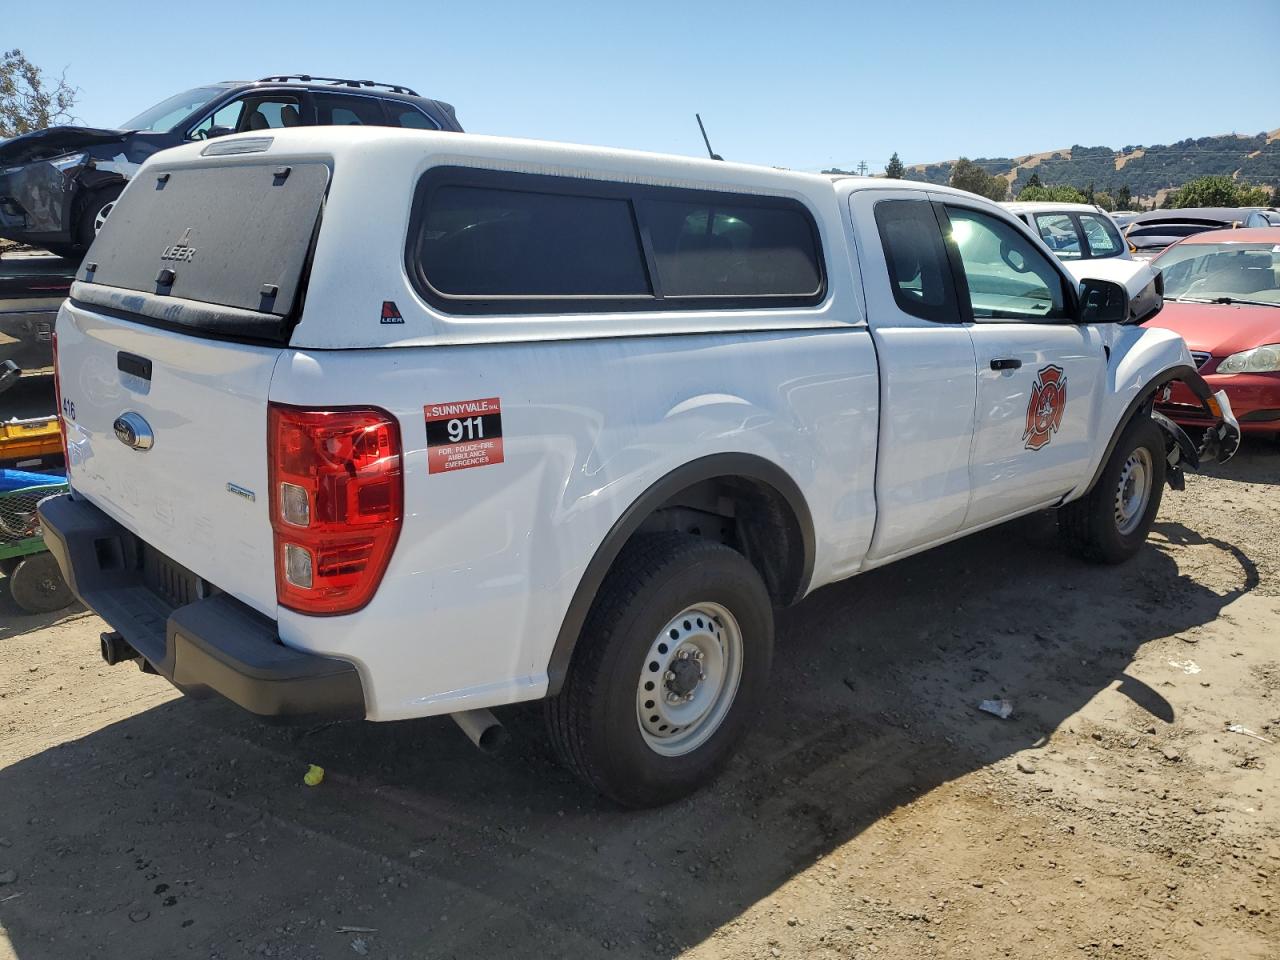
[[710, 152]]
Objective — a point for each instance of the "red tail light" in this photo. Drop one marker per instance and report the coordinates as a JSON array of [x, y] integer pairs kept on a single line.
[[57, 398], [337, 499]]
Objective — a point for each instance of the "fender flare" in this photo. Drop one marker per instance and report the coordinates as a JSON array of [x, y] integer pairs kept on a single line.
[[681, 478], [1145, 397]]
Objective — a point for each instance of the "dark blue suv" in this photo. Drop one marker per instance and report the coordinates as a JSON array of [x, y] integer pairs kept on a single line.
[[58, 185]]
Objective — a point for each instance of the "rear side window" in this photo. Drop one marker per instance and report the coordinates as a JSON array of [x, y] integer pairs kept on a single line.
[[919, 272], [731, 250], [404, 115], [342, 111], [485, 241]]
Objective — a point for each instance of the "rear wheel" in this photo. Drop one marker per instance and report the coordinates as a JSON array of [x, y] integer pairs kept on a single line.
[[37, 585], [1112, 521], [672, 662]]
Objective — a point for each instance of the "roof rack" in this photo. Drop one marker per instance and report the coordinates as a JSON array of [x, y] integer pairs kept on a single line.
[[339, 82]]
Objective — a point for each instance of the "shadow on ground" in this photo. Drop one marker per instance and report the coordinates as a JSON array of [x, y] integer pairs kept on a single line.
[[185, 828], [1257, 461]]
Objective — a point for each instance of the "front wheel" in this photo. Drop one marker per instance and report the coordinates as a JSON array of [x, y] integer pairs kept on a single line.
[[97, 207], [1111, 522], [672, 662]]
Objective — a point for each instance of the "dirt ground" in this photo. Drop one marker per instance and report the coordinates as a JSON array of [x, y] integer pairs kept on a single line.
[[873, 813]]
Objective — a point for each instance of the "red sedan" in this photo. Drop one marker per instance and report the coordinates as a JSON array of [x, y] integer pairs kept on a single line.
[[1222, 294]]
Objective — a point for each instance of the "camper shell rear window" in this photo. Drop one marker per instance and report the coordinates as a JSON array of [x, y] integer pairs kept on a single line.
[[488, 241], [219, 250]]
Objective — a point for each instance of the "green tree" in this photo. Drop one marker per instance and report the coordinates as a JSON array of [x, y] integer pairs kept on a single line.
[[1217, 191], [1124, 198], [895, 169], [1253, 197], [1034, 180], [29, 98], [967, 175], [1104, 200], [1051, 194]]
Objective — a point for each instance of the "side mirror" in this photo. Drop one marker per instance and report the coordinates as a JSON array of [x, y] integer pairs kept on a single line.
[[1102, 301], [218, 132]]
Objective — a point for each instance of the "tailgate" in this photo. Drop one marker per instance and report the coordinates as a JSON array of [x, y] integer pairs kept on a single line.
[[198, 493], [165, 353]]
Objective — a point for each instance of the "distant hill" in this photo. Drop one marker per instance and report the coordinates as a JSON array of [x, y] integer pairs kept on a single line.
[[1148, 171]]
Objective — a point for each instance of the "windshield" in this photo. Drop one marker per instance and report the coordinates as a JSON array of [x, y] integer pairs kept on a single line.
[[165, 114], [1213, 271]]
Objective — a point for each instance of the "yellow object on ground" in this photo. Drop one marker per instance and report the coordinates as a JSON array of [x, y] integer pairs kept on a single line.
[[39, 437], [313, 776]]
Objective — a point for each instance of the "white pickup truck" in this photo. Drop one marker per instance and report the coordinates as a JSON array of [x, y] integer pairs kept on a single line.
[[386, 424]]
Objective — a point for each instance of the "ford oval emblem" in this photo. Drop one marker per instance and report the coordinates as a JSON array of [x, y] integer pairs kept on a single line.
[[133, 431]]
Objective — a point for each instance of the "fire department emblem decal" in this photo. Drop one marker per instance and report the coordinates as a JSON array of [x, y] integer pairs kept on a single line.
[[1044, 412]]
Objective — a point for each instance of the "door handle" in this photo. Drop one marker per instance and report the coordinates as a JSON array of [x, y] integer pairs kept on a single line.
[[1006, 363]]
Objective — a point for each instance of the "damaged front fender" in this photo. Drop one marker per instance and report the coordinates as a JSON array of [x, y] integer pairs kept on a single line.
[[1222, 440]]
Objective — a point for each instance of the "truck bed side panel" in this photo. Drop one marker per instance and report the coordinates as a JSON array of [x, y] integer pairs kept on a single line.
[[490, 556]]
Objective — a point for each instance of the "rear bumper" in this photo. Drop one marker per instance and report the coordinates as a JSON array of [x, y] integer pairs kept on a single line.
[[211, 644]]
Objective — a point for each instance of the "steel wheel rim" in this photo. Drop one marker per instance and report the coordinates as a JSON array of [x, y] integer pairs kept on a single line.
[[101, 217], [1133, 492], [689, 679]]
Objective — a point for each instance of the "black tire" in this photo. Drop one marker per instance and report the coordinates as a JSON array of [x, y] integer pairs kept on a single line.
[[37, 585], [67, 251], [1092, 526], [92, 205], [594, 721]]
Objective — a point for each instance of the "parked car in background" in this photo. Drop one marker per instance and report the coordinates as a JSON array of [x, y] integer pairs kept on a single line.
[[1263, 218], [1150, 233], [1073, 231], [1122, 218], [58, 185], [1222, 295], [518, 420]]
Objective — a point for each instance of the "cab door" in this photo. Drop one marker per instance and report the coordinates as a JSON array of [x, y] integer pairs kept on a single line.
[[1039, 373], [926, 360]]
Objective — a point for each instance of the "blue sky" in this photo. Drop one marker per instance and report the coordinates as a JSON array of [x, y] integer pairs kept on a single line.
[[802, 85]]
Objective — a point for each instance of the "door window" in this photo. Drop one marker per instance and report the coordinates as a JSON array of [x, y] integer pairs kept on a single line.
[[917, 260], [1104, 240], [1058, 230], [226, 117], [1008, 277], [250, 113], [343, 111]]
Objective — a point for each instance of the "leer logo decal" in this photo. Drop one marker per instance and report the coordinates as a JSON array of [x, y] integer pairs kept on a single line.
[[180, 251], [1044, 412]]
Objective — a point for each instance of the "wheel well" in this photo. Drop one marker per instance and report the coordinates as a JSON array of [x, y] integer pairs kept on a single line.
[[742, 500], [746, 514]]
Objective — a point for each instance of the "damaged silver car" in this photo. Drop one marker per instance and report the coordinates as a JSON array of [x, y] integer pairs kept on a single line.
[[58, 185]]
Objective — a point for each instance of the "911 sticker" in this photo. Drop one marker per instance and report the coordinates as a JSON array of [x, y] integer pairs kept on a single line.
[[467, 433]]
